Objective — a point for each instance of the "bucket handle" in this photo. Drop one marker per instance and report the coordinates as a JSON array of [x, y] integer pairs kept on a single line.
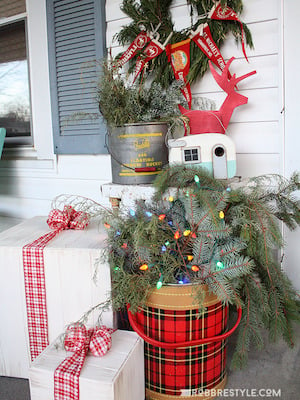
[[197, 342], [112, 154]]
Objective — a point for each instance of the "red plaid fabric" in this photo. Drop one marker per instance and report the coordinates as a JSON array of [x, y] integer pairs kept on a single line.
[[79, 340], [35, 292], [34, 275], [184, 371]]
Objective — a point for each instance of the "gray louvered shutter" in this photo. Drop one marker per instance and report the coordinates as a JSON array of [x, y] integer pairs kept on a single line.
[[76, 32]]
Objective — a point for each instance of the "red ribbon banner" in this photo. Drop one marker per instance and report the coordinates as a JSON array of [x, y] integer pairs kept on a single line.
[[153, 50], [227, 13], [204, 40], [79, 340], [138, 44], [179, 56], [34, 275]]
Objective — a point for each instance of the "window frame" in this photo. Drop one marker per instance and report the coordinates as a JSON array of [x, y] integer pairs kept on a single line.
[[191, 148], [19, 141]]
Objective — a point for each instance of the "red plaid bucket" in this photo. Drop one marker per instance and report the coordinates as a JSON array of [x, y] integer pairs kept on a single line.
[[185, 350]]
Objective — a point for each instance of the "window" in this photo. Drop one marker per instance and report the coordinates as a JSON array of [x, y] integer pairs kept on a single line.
[[15, 113], [191, 155]]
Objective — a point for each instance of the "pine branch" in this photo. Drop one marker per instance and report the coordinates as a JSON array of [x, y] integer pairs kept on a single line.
[[253, 317], [180, 177], [187, 240], [120, 103]]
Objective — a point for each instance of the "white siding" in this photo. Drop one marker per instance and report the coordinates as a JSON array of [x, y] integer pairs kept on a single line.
[[27, 186], [256, 128]]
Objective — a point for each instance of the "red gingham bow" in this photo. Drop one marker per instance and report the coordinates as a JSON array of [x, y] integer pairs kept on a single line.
[[34, 275], [67, 219], [79, 340], [97, 339]]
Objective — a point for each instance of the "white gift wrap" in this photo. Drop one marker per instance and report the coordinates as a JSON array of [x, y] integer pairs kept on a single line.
[[70, 290], [118, 375]]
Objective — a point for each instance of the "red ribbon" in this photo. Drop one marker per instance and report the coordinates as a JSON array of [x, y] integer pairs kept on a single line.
[[67, 219], [79, 340], [34, 275]]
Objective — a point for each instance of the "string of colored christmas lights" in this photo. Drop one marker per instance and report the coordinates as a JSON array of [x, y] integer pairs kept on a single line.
[[183, 236]]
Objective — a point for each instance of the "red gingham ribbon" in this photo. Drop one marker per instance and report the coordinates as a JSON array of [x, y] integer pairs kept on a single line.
[[34, 275], [80, 341]]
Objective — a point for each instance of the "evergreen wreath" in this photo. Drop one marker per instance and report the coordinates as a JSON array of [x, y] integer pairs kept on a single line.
[[151, 13], [210, 233]]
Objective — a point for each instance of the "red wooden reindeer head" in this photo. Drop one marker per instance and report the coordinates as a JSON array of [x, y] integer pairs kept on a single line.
[[217, 121]]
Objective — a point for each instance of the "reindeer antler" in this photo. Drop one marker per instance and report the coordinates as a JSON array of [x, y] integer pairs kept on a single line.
[[225, 80], [217, 121]]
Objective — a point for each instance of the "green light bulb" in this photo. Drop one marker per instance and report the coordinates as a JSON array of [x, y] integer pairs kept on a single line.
[[160, 281], [197, 180], [219, 265], [158, 285]]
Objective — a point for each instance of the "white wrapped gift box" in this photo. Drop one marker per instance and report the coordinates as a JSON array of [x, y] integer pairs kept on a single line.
[[69, 260], [118, 375]]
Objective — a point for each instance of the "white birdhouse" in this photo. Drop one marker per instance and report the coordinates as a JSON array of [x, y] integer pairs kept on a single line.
[[213, 151]]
